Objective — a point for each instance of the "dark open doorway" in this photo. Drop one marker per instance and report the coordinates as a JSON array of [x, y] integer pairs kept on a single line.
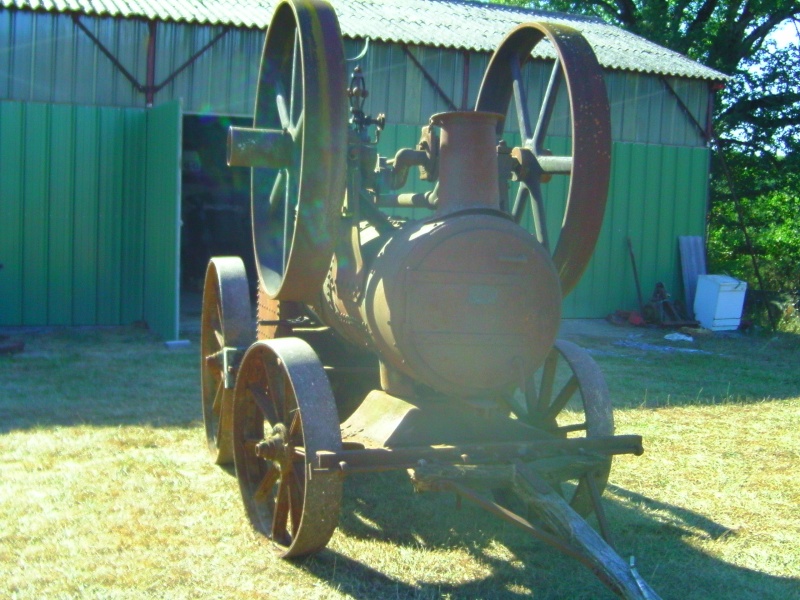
[[215, 203]]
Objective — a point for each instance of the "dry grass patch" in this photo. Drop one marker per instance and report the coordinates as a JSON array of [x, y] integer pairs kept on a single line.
[[107, 491]]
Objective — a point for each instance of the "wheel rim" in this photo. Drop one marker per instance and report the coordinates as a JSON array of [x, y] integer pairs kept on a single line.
[[301, 94], [283, 414], [225, 323], [588, 164], [568, 397]]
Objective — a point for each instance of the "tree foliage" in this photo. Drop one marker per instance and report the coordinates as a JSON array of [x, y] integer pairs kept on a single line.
[[770, 205]]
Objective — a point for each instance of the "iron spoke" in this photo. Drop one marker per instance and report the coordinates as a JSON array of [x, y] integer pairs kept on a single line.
[[280, 515], [263, 493], [295, 499], [296, 75], [216, 408], [289, 404], [538, 210], [531, 396], [275, 376], [286, 209], [546, 387], [264, 403], [520, 100], [572, 428], [295, 427], [546, 110], [563, 397], [280, 101], [519, 203], [297, 129], [278, 190], [218, 335]]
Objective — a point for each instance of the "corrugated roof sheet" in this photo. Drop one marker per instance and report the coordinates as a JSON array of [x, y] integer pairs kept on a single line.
[[455, 24]]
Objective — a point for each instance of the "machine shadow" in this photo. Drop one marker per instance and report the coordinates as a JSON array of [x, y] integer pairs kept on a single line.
[[383, 508]]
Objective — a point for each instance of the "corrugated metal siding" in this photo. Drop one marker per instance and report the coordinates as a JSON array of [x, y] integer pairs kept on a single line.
[[642, 110], [162, 220], [657, 194], [221, 81], [81, 198], [45, 58], [473, 26]]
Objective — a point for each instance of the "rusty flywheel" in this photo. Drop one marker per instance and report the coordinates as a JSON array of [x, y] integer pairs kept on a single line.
[[297, 148], [588, 163]]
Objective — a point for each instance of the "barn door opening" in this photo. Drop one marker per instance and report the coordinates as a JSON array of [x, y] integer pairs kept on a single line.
[[215, 201]]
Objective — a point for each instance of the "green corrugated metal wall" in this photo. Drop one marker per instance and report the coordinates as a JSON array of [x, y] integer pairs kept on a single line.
[[81, 191], [162, 220], [657, 194]]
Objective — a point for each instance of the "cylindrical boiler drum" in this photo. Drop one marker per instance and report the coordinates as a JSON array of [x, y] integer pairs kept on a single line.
[[469, 305]]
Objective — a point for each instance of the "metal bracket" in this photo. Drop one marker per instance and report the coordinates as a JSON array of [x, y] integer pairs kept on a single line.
[[231, 359]]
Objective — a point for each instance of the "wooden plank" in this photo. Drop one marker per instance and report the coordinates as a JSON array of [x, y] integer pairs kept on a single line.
[[559, 518]]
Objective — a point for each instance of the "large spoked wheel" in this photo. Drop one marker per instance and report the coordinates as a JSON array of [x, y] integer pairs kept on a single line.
[[568, 397], [587, 164], [297, 148], [226, 329], [284, 413]]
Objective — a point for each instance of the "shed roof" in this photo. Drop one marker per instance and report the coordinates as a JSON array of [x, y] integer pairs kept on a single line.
[[457, 24]]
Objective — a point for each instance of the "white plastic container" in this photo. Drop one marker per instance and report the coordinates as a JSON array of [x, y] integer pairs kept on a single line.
[[718, 302]]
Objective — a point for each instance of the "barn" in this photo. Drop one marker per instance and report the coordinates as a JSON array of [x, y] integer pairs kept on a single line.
[[113, 185]]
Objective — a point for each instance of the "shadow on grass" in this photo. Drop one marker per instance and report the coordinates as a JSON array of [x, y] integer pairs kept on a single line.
[[99, 377], [664, 538]]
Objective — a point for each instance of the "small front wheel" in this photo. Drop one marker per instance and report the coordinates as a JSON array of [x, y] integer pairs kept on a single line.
[[226, 328], [283, 414]]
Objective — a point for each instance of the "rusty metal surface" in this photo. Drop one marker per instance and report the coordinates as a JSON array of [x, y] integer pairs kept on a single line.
[[465, 304], [379, 459], [298, 149], [588, 166], [283, 413], [225, 332], [570, 385], [467, 165], [461, 308]]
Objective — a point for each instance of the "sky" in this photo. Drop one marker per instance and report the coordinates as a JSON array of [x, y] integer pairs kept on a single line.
[[785, 34]]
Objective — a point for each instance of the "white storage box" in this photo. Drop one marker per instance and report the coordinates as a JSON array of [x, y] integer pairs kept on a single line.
[[718, 302]]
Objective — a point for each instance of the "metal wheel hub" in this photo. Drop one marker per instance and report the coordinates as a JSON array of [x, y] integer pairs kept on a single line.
[[276, 447]]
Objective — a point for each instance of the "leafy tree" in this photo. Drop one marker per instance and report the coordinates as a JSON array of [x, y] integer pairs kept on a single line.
[[768, 201]]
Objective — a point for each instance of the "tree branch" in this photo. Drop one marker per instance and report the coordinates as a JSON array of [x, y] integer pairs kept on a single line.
[[701, 18]]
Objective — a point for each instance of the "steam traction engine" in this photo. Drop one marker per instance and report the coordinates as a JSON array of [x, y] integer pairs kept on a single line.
[[428, 345]]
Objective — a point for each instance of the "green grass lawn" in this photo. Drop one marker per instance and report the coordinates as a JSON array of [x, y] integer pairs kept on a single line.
[[106, 490]]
